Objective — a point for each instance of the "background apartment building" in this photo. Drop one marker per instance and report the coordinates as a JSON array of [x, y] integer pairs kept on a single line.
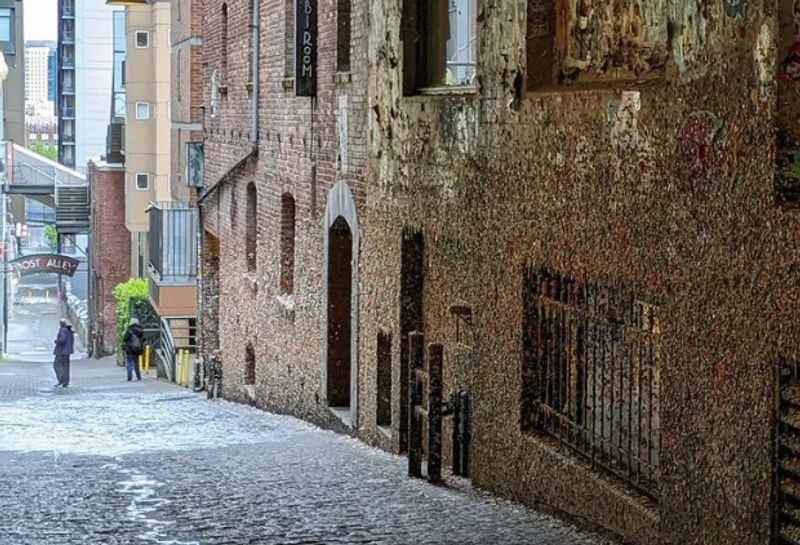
[[147, 126], [40, 72], [85, 64], [12, 44]]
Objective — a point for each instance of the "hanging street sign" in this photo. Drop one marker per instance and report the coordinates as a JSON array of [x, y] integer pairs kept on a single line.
[[44, 263], [305, 49]]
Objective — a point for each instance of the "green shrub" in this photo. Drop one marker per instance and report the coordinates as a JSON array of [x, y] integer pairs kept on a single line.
[[134, 292], [51, 235], [51, 152]]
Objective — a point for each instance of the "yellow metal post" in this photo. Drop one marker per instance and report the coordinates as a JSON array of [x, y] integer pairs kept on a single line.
[[179, 368], [140, 362], [147, 355], [186, 368]]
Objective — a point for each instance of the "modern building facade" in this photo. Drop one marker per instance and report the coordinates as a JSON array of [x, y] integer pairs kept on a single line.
[[12, 45], [37, 71], [147, 126], [85, 65]]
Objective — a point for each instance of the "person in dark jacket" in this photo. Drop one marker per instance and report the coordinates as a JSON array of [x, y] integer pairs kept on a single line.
[[65, 346], [133, 342]]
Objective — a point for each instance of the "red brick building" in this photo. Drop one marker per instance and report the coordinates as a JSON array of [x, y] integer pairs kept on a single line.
[[283, 193], [109, 251]]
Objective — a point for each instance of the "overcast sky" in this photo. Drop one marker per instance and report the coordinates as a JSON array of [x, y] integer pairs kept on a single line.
[[40, 20]]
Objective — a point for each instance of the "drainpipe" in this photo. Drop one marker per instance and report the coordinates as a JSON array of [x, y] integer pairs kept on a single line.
[[255, 28]]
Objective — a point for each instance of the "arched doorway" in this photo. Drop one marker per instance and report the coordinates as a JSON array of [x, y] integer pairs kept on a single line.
[[339, 365], [340, 291]]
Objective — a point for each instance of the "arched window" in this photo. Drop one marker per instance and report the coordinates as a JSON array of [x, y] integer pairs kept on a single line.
[[252, 227], [343, 35], [251, 59], [249, 365], [234, 211], [224, 43], [287, 243]]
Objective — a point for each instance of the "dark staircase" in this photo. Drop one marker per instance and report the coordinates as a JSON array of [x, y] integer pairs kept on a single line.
[[72, 209]]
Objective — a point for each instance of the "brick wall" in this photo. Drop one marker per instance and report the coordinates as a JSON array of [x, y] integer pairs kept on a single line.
[[110, 248], [297, 156]]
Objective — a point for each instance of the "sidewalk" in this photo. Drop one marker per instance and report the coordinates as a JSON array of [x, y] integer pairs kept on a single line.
[[21, 379]]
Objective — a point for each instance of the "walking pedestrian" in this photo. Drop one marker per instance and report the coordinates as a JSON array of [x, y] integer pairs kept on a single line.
[[133, 341], [65, 345]]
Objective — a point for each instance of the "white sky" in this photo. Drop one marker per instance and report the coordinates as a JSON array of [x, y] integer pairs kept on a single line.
[[41, 20]]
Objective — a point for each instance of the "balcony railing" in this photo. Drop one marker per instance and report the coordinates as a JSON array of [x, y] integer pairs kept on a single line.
[[173, 242], [67, 112]]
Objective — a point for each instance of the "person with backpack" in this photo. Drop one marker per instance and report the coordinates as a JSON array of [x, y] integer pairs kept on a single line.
[[65, 346], [133, 341]]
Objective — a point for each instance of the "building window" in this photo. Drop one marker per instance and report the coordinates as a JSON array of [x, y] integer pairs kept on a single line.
[[142, 182], [223, 50], [287, 243], [251, 243], [590, 373], [7, 26], [439, 44], [251, 59], [343, 29], [234, 208], [178, 62], [142, 110], [249, 365], [383, 412], [142, 39], [576, 41], [289, 29], [214, 99]]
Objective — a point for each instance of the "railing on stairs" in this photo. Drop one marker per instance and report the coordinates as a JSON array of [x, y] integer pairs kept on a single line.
[[178, 336]]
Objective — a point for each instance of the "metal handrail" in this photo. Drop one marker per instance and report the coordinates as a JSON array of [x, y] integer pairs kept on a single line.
[[168, 348]]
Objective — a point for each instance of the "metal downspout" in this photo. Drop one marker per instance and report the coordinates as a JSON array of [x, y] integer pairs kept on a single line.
[[255, 28]]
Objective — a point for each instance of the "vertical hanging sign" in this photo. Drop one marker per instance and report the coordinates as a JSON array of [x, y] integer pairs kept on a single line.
[[305, 50]]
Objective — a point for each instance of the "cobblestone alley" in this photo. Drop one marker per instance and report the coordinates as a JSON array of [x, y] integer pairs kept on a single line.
[[112, 462]]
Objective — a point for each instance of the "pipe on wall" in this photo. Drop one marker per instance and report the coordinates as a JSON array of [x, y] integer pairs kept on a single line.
[[255, 28]]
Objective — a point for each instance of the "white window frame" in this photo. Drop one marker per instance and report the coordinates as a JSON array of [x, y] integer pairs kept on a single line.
[[149, 111], [136, 39], [136, 181]]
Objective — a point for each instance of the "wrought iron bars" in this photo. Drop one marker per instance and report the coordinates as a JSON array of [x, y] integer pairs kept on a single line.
[[590, 374]]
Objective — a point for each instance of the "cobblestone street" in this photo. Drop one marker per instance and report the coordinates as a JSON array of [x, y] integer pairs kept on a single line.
[[112, 462]]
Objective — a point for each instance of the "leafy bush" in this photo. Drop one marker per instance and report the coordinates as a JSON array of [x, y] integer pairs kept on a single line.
[[51, 235], [51, 152], [131, 293]]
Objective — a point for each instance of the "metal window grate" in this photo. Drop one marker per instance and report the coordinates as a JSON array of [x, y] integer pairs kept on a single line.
[[590, 374], [787, 460]]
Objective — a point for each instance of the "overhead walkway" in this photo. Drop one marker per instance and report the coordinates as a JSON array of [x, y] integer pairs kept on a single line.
[[32, 175]]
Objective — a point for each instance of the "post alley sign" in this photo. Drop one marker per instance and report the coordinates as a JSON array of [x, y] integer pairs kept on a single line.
[[305, 50], [44, 263]]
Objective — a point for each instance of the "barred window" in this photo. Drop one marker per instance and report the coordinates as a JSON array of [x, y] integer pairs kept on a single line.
[[251, 242], [590, 373], [250, 365], [287, 243], [343, 35]]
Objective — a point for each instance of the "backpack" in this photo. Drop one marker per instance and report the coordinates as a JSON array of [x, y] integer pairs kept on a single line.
[[134, 345]]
